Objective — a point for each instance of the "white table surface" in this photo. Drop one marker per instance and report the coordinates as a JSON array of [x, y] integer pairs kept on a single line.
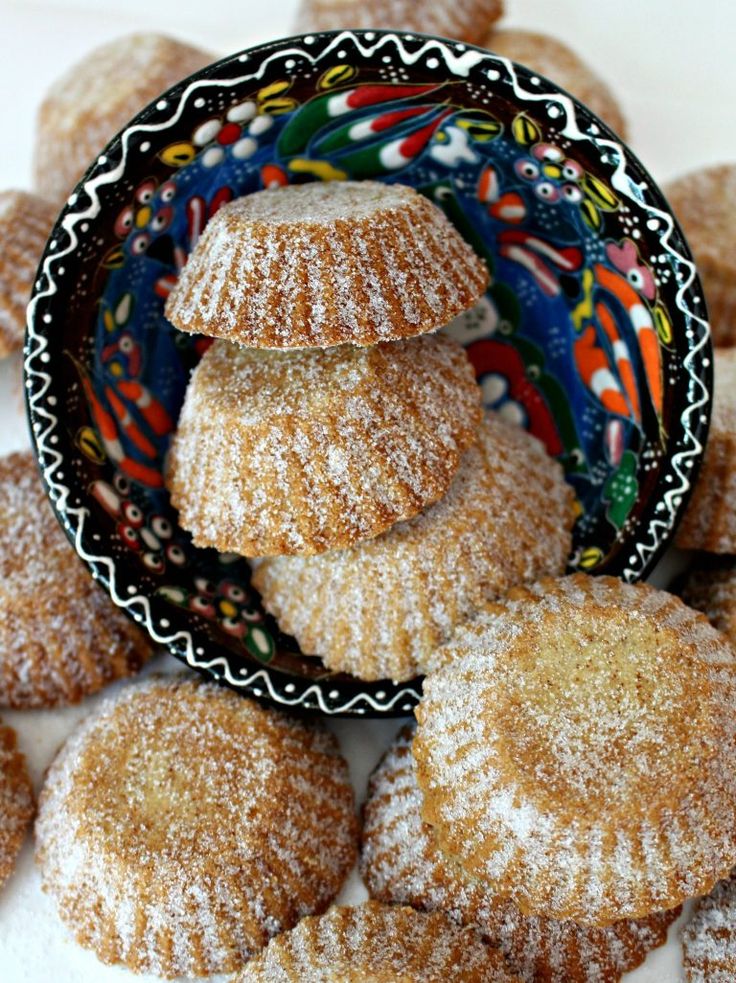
[[672, 66]]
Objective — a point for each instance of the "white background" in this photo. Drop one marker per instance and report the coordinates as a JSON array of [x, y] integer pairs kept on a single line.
[[670, 63]]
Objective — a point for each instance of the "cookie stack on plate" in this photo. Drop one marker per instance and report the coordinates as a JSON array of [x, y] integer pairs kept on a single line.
[[331, 432]]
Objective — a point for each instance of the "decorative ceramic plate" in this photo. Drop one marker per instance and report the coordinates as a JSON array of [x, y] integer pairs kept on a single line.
[[592, 334]]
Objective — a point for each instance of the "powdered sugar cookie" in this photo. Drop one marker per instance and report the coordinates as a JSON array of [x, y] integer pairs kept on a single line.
[[16, 801], [578, 750], [379, 609], [182, 825], [61, 637], [712, 590], [709, 938], [375, 943]]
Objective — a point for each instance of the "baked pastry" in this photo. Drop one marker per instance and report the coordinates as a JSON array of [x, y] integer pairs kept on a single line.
[[709, 522], [16, 801], [712, 590], [553, 59], [25, 223], [379, 609], [595, 778], [462, 20], [401, 864], [709, 938], [182, 825], [375, 943], [283, 452], [320, 264], [61, 637], [96, 97], [704, 202]]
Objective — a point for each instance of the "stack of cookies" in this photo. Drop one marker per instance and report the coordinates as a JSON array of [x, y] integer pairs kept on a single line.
[[333, 436]]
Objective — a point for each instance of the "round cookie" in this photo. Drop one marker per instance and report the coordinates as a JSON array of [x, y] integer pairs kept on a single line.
[[284, 452], [375, 943], [595, 778], [704, 202], [96, 97], [16, 801], [553, 59], [326, 263], [61, 637], [380, 609], [182, 825], [709, 938], [712, 590], [25, 223], [461, 20], [709, 522], [401, 864]]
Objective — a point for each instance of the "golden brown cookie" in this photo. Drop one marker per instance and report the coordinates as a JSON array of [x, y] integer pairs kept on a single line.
[[578, 750], [461, 20], [96, 97], [704, 202], [709, 938], [301, 452], [321, 264], [402, 864], [375, 943], [379, 609], [61, 637], [709, 522], [25, 223], [16, 801], [553, 59], [712, 590], [182, 825]]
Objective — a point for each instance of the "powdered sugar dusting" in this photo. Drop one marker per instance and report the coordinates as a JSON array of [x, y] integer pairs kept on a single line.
[[16, 800], [709, 938]]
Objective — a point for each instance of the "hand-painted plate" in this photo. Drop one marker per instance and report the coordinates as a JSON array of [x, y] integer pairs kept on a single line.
[[592, 334]]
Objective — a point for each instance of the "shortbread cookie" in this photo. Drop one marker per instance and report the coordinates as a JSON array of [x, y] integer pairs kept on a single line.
[[97, 96], [553, 59], [709, 938], [375, 943], [379, 609], [321, 264], [16, 801], [704, 201], [461, 20], [578, 750], [25, 223], [709, 522], [61, 637], [712, 590], [402, 864], [301, 452], [182, 825]]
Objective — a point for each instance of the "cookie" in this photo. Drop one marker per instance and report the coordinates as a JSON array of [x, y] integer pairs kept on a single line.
[[302, 452], [577, 750], [96, 97], [704, 202], [709, 937], [182, 825], [461, 20], [321, 264], [61, 637], [16, 801], [709, 522], [25, 223], [377, 943], [553, 59], [380, 609], [401, 864], [712, 590]]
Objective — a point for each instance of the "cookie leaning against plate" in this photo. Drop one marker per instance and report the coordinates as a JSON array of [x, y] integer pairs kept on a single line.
[[595, 778], [326, 263], [712, 590], [709, 937], [301, 452], [401, 864], [61, 637], [375, 943], [182, 825], [379, 609], [96, 97], [16, 801], [709, 522]]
